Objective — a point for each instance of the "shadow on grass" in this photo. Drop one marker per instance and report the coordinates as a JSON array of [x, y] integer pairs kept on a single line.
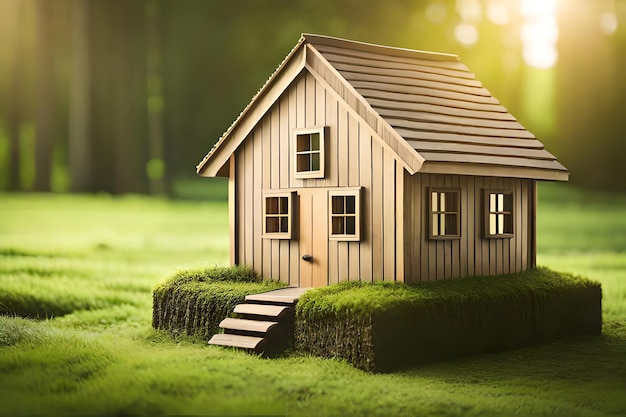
[[51, 304], [583, 365], [28, 254]]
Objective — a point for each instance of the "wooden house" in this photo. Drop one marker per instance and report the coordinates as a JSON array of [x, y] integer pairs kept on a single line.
[[365, 162]]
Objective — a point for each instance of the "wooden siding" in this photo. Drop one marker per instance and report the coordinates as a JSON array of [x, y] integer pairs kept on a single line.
[[472, 254], [355, 157]]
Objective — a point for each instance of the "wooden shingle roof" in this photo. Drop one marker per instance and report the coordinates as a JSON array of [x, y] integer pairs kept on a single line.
[[428, 107]]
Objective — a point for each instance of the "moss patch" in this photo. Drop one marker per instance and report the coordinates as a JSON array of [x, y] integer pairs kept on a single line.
[[383, 326], [193, 303]]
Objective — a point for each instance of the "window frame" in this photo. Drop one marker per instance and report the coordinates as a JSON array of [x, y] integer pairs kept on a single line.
[[320, 173], [432, 190], [345, 192], [290, 213], [487, 210]]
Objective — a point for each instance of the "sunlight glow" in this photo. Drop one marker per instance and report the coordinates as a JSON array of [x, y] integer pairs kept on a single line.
[[539, 33], [437, 12], [531, 8], [540, 56], [466, 34], [469, 10], [608, 23], [498, 14]]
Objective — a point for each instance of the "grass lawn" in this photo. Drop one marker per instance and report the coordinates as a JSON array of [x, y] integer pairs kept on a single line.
[[93, 261]]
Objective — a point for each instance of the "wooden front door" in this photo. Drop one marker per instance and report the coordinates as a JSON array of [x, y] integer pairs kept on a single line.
[[313, 237]]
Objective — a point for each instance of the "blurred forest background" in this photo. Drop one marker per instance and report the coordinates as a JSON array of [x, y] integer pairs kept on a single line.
[[127, 96]]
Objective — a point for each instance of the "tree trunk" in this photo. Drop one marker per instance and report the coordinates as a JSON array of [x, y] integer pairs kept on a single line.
[[14, 114], [157, 168], [118, 88], [80, 101], [591, 122], [129, 96], [100, 64], [44, 143]]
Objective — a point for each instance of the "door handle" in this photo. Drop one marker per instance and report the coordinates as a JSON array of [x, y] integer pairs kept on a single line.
[[307, 258]]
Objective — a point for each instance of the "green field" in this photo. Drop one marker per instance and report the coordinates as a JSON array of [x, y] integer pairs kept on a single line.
[[92, 262]]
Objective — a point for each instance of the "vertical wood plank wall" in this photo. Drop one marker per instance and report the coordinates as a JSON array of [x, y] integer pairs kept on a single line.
[[264, 162], [472, 254], [394, 241]]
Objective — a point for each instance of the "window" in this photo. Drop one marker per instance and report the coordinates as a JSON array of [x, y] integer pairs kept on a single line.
[[309, 153], [344, 211], [445, 214], [499, 214], [277, 213]]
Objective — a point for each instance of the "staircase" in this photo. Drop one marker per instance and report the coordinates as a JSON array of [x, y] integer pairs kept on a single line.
[[265, 323]]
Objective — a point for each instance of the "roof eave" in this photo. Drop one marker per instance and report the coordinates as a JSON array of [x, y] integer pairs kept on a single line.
[[560, 173]]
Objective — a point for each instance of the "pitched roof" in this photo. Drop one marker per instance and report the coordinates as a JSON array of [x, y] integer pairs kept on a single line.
[[428, 107]]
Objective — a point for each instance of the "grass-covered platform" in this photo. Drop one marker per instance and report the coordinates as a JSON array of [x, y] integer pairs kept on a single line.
[[385, 326]]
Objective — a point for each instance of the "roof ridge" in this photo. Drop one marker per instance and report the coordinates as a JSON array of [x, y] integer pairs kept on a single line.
[[372, 47]]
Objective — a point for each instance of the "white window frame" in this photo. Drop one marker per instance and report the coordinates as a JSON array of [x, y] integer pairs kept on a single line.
[[289, 215], [497, 197], [435, 215], [345, 192], [296, 133]]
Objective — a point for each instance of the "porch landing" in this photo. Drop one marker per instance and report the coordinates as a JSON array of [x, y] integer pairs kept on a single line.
[[287, 295]]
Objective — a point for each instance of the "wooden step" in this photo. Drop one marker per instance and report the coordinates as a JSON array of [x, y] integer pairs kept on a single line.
[[288, 296], [237, 341], [262, 310], [256, 326]]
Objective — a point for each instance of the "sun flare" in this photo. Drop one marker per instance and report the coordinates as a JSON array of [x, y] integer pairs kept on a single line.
[[539, 32]]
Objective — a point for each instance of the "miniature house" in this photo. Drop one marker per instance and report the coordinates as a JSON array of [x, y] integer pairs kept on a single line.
[[366, 162]]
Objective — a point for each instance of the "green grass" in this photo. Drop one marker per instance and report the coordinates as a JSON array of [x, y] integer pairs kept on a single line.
[[584, 233], [356, 298], [102, 357]]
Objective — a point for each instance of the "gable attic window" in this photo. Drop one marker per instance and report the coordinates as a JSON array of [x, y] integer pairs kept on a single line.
[[345, 215], [308, 145], [499, 214], [277, 214], [445, 218]]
